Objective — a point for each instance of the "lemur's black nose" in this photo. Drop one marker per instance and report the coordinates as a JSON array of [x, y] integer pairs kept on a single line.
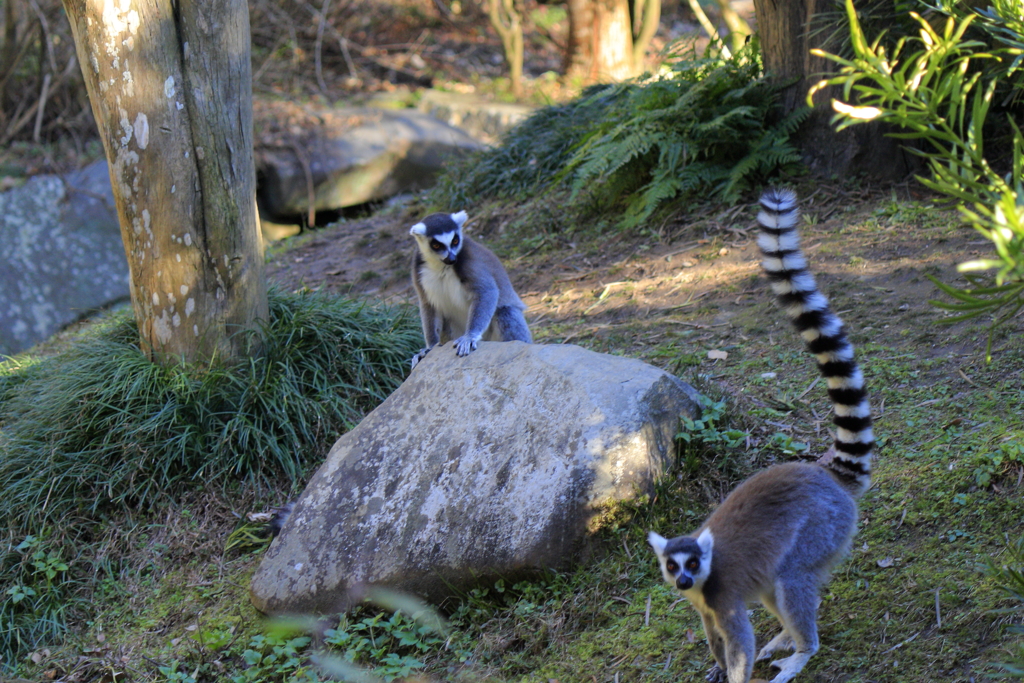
[[684, 583]]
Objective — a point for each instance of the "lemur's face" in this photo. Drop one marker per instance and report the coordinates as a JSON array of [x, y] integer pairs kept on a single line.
[[685, 561], [439, 235]]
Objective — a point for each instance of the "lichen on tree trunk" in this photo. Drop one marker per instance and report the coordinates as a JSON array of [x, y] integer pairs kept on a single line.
[[171, 90]]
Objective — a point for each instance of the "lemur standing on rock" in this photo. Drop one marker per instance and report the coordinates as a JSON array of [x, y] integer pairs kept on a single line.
[[464, 291], [776, 537]]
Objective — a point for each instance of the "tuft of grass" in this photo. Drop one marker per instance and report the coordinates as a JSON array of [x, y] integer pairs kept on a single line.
[[100, 425], [98, 431]]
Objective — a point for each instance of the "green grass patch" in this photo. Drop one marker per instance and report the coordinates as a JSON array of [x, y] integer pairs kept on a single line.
[[99, 431]]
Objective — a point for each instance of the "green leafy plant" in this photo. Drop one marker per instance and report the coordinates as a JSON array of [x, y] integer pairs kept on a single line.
[[1002, 24], [938, 96], [391, 647], [787, 444], [172, 675], [277, 657], [388, 644], [994, 462], [371, 644], [528, 158], [706, 126]]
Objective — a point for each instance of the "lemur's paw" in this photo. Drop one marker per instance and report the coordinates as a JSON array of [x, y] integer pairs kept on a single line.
[[464, 345], [780, 642], [790, 666], [716, 674], [420, 355]]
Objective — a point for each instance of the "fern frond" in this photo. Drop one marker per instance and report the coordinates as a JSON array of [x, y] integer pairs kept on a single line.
[[706, 129]]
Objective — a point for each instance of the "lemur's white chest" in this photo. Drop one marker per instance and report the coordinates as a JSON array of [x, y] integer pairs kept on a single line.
[[446, 294]]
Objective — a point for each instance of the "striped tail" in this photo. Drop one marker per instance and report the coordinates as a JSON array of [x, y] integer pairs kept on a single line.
[[824, 334]]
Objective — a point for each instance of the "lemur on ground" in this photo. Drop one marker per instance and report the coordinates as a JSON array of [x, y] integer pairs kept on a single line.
[[776, 537]]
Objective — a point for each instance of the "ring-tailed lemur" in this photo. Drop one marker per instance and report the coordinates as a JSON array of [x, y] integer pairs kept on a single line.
[[776, 537], [464, 291]]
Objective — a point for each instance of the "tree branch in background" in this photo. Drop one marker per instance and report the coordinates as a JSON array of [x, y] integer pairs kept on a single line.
[[508, 22], [708, 27], [739, 29], [646, 17]]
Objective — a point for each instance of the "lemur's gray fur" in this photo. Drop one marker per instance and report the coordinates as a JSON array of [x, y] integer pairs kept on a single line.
[[464, 291], [776, 537], [278, 517]]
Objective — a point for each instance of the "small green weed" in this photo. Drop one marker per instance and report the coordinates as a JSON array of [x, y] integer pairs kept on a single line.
[[993, 463], [273, 657], [172, 675], [392, 647], [787, 445], [704, 435], [37, 595]]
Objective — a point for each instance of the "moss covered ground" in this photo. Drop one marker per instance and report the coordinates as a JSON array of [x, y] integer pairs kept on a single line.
[[913, 603]]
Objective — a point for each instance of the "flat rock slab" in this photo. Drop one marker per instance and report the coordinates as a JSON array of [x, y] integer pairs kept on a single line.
[[485, 120], [350, 156], [489, 465], [63, 256]]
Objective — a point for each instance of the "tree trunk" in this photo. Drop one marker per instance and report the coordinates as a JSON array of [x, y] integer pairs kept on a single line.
[[507, 20], [171, 90], [787, 37], [601, 41]]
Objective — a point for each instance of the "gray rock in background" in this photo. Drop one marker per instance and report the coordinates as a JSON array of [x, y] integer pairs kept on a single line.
[[489, 465], [62, 254], [486, 121], [357, 156]]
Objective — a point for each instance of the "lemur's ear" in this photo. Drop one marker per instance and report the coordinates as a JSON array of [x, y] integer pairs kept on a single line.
[[459, 218], [657, 542], [418, 229], [706, 541]]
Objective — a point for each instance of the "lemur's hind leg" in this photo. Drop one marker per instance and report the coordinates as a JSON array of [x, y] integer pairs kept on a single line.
[[797, 602], [782, 640]]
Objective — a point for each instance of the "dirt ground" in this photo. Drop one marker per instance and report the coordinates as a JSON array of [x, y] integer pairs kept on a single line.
[[870, 247]]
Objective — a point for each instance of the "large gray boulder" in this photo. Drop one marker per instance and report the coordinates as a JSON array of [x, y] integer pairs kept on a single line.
[[354, 156], [62, 254], [489, 465]]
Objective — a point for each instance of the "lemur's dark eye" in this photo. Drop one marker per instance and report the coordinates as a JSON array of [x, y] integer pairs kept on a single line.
[[436, 246], [693, 564], [672, 566], [455, 241]]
